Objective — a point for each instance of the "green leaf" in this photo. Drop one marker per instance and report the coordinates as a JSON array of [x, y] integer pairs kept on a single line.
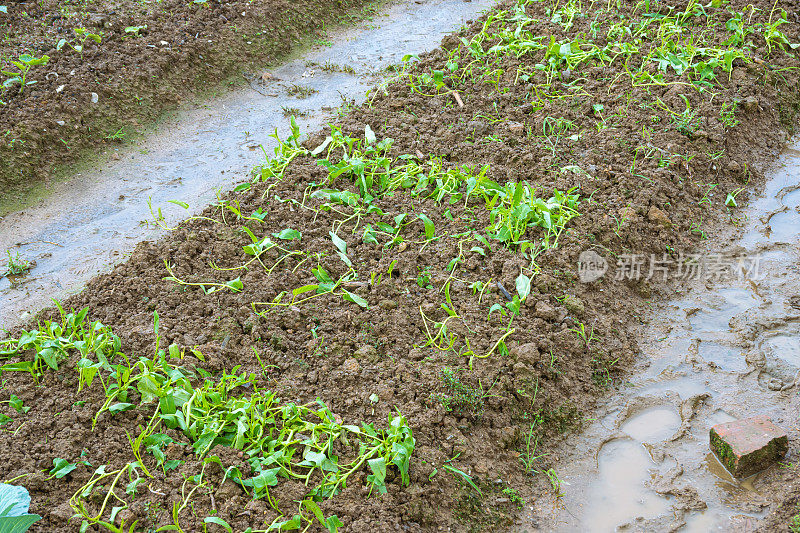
[[378, 476], [338, 242], [288, 235], [333, 524], [62, 467], [16, 403], [430, 229], [523, 286], [14, 503], [172, 464], [369, 135], [369, 236], [314, 508], [5, 419], [219, 521], [355, 298], [304, 289], [120, 407]]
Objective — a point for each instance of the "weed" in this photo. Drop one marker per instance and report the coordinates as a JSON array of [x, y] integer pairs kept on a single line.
[[687, 122], [555, 482], [515, 498], [727, 115], [292, 112], [16, 265], [529, 455], [424, 278], [300, 91], [794, 523], [460, 397]]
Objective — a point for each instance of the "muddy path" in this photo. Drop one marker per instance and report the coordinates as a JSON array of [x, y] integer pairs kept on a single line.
[[94, 219], [725, 346]]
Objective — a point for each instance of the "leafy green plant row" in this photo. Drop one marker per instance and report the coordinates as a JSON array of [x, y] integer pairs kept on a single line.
[[279, 440], [649, 46]]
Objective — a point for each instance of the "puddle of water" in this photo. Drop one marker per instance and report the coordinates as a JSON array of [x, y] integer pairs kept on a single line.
[[652, 425], [725, 357], [685, 387], [619, 494], [91, 222]]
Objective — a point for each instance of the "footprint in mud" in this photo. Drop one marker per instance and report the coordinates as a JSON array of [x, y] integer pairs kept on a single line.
[[652, 425], [721, 308], [620, 493], [727, 358], [779, 357]]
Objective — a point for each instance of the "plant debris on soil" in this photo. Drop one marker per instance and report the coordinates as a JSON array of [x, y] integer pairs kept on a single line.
[[385, 328], [80, 74]]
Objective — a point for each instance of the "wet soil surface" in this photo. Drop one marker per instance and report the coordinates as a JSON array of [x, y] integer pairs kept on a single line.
[[152, 57], [725, 347], [489, 396]]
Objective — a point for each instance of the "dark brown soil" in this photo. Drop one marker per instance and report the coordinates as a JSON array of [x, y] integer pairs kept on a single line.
[[337, 351], [181, 47]]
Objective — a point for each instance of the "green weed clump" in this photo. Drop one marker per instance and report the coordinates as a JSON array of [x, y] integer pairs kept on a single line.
[[460, 398], [16, 265]]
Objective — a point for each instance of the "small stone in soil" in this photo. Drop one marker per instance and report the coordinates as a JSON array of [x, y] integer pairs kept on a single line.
[[748, 446]]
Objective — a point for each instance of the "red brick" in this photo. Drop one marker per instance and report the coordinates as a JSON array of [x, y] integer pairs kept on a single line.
[[748, 446]]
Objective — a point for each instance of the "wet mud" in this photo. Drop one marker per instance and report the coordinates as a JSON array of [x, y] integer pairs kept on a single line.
[[722, 349]]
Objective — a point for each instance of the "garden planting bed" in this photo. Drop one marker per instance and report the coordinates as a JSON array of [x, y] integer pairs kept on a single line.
[[150, 58], [387, 324]]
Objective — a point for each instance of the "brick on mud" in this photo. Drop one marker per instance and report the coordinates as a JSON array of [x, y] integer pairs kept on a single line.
[[748, 446]]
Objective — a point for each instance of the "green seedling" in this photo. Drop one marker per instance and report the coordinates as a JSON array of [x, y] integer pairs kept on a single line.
[[51, 343], [24, 64], [730, 200], [62, 467], [82, 35], [134, 31]]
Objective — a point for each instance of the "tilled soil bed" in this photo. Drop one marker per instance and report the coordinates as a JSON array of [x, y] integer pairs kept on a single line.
[[427, 284], [152, 56]]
